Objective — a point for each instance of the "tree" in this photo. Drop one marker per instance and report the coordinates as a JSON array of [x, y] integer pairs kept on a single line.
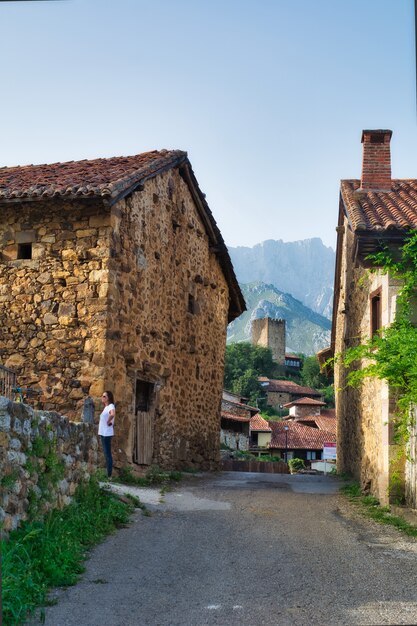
[[244, 363], [311, 374]]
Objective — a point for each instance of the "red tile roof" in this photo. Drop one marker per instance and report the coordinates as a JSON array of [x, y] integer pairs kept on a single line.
[[381, 210], [322, 422], [113, 179], [234, 417], [305, 402], [287, 386], [299, 437], [105, 178], [258, 423]]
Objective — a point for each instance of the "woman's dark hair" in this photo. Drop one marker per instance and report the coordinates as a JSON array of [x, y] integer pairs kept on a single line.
[[110, 396]]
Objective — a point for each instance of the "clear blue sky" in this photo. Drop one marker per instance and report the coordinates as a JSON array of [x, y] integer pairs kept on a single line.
[[269, 97]]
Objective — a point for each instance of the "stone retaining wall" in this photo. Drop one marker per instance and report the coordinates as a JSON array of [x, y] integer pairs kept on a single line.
[[43, 457]]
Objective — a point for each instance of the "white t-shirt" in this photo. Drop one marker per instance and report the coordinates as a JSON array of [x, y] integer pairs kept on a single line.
[[103, 429]]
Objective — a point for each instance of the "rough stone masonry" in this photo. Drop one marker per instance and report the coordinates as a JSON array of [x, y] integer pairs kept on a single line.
[[43, 457]]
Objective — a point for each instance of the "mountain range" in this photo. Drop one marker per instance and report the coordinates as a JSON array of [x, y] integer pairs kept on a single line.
[[306, 331], [304, 269]]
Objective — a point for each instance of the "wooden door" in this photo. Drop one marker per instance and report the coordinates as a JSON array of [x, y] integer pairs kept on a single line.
[[144, 423], [144, 437]]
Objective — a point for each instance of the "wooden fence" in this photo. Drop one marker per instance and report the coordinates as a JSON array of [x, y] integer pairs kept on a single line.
[[268, 467]]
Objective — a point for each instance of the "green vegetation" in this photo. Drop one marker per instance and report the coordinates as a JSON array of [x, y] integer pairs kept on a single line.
[[8, 480], [154, 476], [43, 460], [243, 365], [271, 414], [312, 376], [48, 553], [391, 353], [296, 464], [370, 507]]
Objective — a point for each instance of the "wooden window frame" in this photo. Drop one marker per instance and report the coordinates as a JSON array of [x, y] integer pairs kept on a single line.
[[375, 311]]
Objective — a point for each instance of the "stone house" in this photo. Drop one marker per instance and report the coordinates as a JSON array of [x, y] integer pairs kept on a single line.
[[374, 210], [302, 407], [114, 275], [280, 392], [260, 432], [235, 421]]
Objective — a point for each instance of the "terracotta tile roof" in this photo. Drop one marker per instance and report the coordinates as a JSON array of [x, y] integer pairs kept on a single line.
[[381, 210], [258, 423], [110, 180], [322, 422], [305, 402], [287, 386], [235, 418], [300, 437], [105, 178]]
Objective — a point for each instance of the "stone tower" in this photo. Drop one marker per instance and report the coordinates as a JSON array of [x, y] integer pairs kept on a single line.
[[270, 333]]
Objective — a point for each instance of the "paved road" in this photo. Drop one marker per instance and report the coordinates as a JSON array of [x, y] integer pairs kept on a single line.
[[238, 549]]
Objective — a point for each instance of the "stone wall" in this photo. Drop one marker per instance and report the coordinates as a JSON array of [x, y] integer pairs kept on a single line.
[[270, 333], [53, 307], [364, 415], [234, 440], [168, 308], [43, 457], [277, 398], [116, 295], [303, 411]]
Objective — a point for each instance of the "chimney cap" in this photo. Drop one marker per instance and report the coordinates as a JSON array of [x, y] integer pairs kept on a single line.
[[377, 136]]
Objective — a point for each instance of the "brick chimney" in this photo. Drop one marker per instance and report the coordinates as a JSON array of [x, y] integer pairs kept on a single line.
[[376, 162]]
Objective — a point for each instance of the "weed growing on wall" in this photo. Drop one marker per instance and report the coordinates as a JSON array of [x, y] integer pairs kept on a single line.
[[49, 553], [391, 354], [44, 461]]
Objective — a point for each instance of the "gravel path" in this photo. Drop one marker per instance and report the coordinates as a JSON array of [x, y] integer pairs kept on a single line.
[[238, 549]]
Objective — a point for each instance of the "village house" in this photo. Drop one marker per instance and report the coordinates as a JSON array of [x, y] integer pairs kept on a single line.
[[260, 433], [279, 392], [114, 275], [235, 421], [303, 433], [373, 211]]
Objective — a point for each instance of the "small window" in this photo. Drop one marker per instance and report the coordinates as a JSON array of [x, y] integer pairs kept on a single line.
[[24, 251], [376, 319]]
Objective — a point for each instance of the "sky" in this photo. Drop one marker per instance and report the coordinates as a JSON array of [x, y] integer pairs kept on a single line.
[[268, 97]]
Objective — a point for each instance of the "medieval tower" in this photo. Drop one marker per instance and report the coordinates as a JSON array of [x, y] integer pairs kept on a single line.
[[270, 333]]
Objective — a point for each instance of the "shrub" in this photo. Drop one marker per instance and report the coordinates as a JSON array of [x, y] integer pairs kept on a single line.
[[296, 464]]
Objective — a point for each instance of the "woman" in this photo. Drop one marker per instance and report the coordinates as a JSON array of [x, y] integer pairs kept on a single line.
[[105, 428]]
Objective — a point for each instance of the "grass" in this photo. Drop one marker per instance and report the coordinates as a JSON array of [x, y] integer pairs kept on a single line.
[[371, 508], [50, 553], [154, 476]]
